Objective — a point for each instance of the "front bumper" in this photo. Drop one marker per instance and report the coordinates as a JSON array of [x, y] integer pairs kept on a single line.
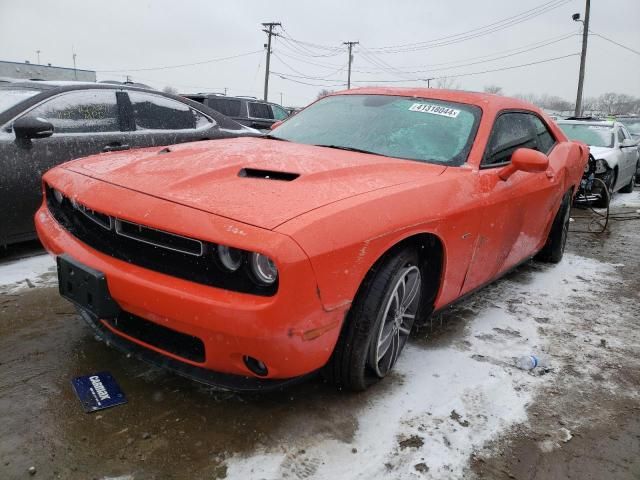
[[223, 381], [289, 332]]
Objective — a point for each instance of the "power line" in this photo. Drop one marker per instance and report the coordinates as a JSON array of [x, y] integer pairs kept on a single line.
[[181, 65], [431, 67], [286, 77], [476, 32], [614, 42], [464, 74]]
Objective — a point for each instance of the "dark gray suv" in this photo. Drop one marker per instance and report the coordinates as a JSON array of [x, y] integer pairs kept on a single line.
[[247, 111]]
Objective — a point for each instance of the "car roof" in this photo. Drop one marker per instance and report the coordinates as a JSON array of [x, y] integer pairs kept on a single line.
[[480, 99], [601, 123], [50, 88], [228, 97]]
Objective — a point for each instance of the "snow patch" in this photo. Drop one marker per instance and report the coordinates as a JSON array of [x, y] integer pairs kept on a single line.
[[631, 200], [446, 402], [36, 271]]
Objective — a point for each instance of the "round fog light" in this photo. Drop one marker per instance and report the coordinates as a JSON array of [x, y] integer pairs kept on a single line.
[[263, 269]]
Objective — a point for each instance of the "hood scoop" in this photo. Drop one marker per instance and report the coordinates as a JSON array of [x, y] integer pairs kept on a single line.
[[268, 174]]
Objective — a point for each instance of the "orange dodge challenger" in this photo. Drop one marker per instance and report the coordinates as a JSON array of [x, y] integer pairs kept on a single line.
[[249, 263]]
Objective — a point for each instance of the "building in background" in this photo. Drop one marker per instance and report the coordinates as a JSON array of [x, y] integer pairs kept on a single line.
[[32, 71]]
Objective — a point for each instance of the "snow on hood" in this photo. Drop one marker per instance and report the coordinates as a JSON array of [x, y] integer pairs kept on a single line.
[[206, 176]]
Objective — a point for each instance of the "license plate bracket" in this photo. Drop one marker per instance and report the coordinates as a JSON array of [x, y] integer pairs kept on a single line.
[[85, 287]]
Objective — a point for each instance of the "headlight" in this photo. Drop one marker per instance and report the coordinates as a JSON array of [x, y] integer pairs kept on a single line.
[[601, 166], [263, 268], [57, 194], [231, 258]]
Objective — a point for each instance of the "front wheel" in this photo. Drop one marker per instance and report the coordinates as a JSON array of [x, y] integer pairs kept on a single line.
[[378, 324], [553, 250]]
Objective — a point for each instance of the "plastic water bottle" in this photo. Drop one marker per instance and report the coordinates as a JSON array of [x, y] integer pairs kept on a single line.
[[529, 362]]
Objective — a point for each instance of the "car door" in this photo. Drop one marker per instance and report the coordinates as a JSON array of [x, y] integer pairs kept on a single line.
[[156, 120], [517, 212], [84, 122], [629, 157]]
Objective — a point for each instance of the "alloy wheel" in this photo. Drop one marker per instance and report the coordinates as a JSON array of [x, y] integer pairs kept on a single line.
[[396, 320]]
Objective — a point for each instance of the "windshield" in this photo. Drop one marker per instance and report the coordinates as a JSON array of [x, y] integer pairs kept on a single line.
[[633, 125], [10, 97], [409, 128], [592, 135]]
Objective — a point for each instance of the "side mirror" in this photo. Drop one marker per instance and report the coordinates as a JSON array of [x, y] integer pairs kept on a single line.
[[525, 160], [275, 125], [29, 127]]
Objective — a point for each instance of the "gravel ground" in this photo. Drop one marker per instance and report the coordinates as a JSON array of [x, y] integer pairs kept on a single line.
[[455, 408]]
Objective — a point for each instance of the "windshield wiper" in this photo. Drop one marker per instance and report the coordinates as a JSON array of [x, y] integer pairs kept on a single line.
[[349, 149]]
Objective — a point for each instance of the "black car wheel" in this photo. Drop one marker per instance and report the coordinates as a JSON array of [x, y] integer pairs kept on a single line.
[[378, 324], [629, 187], [553, 250], [607, 189]]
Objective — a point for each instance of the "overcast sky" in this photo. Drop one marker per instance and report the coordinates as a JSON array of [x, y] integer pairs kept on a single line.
[[130, 35]]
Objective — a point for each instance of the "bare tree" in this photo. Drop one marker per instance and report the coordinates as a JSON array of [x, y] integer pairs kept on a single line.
[[493, 89], [447, 83], [171, 90], [324, 92]]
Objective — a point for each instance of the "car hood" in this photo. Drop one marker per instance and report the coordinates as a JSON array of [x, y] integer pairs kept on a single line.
[[240, 178], [600, 152]]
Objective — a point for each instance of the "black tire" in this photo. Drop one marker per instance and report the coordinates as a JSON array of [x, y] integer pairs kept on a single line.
[[553, 250], [604, 201], [629, 187], [350, 364]]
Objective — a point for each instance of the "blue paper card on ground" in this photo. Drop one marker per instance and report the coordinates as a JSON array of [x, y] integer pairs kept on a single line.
[[98, 391]]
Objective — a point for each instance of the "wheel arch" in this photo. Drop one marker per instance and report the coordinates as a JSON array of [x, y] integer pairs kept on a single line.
[[432, 257]]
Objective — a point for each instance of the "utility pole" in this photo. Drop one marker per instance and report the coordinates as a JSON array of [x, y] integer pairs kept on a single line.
[[38, 53], [583, 55], [350, 45], [269, 33], [429, 82]]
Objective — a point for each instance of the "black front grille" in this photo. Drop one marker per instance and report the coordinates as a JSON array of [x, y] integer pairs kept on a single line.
[[177, 343], [163, 252]]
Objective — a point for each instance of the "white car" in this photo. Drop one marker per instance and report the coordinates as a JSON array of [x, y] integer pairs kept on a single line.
[[614, 150]]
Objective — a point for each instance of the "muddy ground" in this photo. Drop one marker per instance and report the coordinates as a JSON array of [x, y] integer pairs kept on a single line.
[[582, 419]]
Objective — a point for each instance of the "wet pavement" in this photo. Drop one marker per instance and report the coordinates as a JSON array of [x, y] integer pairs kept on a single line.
[[172, 428]]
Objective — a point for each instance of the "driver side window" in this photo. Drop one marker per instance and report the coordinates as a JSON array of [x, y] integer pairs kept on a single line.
[[85, 111], [510, 132]]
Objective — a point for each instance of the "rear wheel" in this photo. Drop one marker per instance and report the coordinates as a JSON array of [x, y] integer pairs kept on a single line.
[[378, 324], [553, 250]]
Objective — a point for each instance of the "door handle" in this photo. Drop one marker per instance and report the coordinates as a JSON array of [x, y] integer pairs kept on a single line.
[[115, 147]]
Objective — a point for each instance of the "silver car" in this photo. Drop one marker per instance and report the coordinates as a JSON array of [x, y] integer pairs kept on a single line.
[[613, 148]]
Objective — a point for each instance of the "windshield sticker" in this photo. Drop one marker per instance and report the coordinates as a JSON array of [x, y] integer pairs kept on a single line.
[[434, 109], [599, 127]]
